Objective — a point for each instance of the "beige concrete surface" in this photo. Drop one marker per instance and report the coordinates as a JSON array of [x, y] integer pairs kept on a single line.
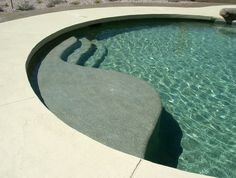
[[34, 142]]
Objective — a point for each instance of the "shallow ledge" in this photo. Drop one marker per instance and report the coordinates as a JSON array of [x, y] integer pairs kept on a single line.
[[35, 143], [110, 107]]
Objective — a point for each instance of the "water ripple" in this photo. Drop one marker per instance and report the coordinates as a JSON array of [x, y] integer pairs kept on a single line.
[[193, 66]]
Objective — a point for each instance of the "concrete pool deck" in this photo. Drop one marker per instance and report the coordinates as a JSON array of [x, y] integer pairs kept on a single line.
[[34, 142]]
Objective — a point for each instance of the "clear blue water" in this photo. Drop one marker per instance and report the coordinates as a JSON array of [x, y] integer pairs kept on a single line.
[[193, 67]]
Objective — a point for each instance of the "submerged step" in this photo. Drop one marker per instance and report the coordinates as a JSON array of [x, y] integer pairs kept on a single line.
[[68, 46], [77, 55], [98, 57]]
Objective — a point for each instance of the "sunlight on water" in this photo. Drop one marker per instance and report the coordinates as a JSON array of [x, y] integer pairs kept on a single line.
[[193, 66]]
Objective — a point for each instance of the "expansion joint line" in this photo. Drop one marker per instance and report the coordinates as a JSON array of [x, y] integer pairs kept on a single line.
[[135, 168], [17, 101]]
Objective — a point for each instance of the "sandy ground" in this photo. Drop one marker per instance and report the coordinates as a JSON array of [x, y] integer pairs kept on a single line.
[[14, 5], [42, 4], [10, 9]]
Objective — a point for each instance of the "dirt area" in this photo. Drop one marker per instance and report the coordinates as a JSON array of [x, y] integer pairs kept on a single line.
[[13, 9], [13, 5]]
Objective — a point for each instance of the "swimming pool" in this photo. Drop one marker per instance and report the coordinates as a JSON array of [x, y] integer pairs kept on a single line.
[[191, 64]]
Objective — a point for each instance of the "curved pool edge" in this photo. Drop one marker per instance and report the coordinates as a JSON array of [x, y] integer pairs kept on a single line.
[[37, 144]]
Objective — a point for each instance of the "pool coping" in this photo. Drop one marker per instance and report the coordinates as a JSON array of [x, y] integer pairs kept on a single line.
[[34, 142]]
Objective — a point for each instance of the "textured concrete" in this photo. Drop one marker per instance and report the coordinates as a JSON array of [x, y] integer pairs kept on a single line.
[[34, 142]]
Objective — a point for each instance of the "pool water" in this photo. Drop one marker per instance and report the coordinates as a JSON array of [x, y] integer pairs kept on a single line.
[[193, 67]]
